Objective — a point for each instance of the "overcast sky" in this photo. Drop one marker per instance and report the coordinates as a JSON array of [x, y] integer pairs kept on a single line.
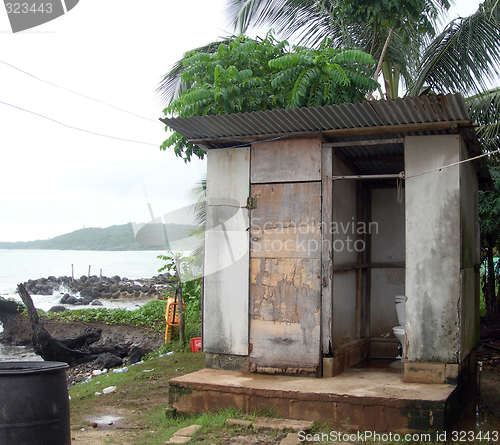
[[55, 179]]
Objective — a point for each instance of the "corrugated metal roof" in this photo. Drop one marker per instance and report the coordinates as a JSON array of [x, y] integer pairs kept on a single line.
[[220, 129], [368, 120]]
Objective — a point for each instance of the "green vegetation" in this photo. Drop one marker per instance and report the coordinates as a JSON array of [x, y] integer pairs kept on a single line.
[[489, 217], [244, 75], [151, 315], [118, 237], [142, 393], [190, 289]]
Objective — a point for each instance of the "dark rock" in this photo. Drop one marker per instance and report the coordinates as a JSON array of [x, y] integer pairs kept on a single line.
[[9, 306], [106, 295], [114, 288], [87, 292], [115, 295], [45, 290], [136, 354], [57, 308], [137, 294], [108, 360], [96, 303], [68, 299]]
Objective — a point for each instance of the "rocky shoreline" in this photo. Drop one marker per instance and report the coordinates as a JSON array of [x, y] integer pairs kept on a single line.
[[90, 290]]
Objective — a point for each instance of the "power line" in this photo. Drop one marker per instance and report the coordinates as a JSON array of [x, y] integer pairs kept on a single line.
[[77, 128], [78, 94], [243, 142]]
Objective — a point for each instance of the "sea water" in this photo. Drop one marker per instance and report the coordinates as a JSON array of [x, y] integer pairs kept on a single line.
[[18, 266]]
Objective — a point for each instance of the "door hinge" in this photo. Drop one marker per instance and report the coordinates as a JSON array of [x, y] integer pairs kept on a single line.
[[251, 203]]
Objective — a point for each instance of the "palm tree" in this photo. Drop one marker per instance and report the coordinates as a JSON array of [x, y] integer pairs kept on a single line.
[[464, 57]]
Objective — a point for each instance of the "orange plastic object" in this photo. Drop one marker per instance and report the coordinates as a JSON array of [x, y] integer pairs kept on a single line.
[[172, 312], [196, 344], [171, 316]]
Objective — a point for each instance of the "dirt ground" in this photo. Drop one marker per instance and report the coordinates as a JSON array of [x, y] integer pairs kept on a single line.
[[121, 419]]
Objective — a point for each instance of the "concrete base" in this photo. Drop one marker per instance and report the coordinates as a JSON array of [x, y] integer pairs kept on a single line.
[[368, 399]]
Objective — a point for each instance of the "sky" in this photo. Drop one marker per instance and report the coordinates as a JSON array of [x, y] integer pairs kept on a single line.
[[55, 179]]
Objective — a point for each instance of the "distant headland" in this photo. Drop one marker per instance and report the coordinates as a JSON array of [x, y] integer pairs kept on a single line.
[[149, 236]]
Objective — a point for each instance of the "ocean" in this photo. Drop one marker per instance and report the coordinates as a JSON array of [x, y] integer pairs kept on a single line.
[[18, 266]]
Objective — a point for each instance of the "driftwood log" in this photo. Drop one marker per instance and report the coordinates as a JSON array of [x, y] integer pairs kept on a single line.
[[73, 351]]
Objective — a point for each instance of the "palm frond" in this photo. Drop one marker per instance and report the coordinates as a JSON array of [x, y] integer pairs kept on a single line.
[[171, 86], [465, 56], [484, 108]]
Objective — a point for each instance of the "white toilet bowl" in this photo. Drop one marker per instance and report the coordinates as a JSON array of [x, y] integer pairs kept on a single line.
[[399, 331]]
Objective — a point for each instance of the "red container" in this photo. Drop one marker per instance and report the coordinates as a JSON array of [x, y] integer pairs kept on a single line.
[[196, 344]]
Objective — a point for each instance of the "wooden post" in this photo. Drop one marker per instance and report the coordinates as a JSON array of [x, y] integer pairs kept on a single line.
[[89, 272], [72, 273], [327, 252], [180, 305]]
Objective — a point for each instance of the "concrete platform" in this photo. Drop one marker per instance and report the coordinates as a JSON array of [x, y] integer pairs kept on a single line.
[[368, 399]]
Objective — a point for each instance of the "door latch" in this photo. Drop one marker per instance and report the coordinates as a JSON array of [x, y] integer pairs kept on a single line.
[[251, 203]]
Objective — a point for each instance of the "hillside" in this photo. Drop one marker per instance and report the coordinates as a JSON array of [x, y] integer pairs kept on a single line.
[[118, 237]]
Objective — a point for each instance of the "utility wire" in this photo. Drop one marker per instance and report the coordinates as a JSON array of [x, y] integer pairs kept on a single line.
[[78, 94], [77, 128], [242, 142], [450, 165]]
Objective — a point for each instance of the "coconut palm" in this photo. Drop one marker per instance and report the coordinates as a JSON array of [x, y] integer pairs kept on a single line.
[[401, 36]]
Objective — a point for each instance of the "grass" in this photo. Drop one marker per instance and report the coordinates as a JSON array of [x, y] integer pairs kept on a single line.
[[144, 395], [150, 315]]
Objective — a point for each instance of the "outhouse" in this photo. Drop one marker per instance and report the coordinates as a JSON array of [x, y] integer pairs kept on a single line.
[[318, 218]]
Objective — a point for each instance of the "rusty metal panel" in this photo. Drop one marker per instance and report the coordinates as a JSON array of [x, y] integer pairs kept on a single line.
[[288, 160], [226, 261], [410, 110], [286, 221]]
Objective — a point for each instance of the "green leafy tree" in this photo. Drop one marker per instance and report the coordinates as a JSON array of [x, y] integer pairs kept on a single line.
[[392, 31], [401, 36], [244, 75], [489, 212]]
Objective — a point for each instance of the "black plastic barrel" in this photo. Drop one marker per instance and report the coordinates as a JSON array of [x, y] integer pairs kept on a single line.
[[34, 404]]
